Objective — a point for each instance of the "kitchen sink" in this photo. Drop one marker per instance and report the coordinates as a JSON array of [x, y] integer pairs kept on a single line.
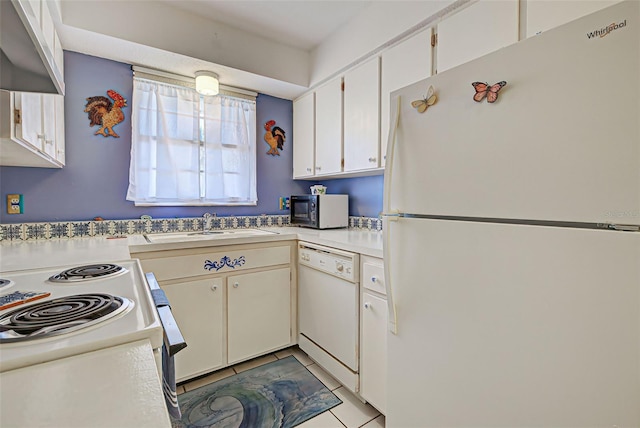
[[204, 235]]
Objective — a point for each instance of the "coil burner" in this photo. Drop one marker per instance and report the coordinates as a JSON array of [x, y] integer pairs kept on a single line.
[[5, 283], [88, 272], [60, 316]]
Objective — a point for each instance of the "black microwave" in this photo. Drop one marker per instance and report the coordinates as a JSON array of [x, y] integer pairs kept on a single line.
[[319, 211]]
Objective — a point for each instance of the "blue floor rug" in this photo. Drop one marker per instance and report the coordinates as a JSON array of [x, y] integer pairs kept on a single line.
[[281, 394]]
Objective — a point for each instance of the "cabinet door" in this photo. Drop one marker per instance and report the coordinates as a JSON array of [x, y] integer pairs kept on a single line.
[[30, 128], [402, 65], [48, 28], [303, 136], [259, 313], [329, 128], [36, 9], [373, 348], [198, 307], [543, 15], [49, 123], [362, 116], [479, 29], [58, 54], [60, 136]]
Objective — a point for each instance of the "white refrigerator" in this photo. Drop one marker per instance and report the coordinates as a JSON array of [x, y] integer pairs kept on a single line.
[[511, 242]]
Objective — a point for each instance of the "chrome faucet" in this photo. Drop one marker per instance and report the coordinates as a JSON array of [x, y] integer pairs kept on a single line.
[[206, 222]]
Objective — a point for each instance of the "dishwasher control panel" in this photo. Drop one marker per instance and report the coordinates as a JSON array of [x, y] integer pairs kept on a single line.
[[342, 264]]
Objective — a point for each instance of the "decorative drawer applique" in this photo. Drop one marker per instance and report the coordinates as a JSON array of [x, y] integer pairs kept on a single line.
[[224, 261]]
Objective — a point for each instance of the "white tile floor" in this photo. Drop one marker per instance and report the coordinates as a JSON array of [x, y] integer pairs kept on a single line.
[[352, 413]]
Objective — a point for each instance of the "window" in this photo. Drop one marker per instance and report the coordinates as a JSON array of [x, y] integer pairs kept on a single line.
[[191, 150]]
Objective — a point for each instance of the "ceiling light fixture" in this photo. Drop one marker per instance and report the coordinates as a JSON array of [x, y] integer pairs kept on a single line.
[[207, 83]]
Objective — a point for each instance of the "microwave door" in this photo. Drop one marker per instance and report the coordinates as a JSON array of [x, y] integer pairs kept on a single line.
[[303, 211]]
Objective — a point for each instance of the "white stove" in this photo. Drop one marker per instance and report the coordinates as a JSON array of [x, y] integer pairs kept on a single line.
[[98, 306]]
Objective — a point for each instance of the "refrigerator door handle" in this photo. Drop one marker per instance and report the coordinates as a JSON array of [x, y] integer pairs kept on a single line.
[[390, 216], [386, 253], [391, 145]]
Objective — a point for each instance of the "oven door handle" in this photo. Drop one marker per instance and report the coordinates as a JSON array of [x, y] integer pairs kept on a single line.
[[173, 340]]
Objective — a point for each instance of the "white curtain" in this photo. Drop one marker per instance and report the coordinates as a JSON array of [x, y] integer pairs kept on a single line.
[[230, 150], [185, 151]]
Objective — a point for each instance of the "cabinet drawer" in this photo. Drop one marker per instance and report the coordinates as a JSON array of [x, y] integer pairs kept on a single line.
[[373, 276], [216, 262]]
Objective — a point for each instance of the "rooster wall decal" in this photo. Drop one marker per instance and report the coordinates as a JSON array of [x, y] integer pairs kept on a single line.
[[105, 113], [274, 137]]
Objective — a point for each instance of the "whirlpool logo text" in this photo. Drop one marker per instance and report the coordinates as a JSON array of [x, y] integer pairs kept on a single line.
[[606, 30]]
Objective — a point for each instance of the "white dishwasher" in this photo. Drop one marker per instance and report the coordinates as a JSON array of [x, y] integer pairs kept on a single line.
[[328, 310]]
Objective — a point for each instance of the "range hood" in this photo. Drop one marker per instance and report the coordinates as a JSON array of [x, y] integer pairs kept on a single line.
[[26, 61]]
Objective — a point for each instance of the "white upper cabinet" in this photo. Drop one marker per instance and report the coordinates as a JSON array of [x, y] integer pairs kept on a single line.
[[329, 128], [362, 116], [543, 15], [303, 136], [31, 46], [48, 30], [403, 64], [32, 129], [477, 30], [49, 124], [29, 118], [60, 136]]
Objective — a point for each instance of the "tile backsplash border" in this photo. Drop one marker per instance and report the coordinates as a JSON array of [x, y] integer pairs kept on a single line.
[[112, 228]]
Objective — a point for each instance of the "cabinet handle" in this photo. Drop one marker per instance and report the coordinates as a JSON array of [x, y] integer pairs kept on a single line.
[[235, 285], [214, 288], [48, 141], [41, 136], [373, 159], [374, 279], [308, 169], [367, 305], [318, 168]]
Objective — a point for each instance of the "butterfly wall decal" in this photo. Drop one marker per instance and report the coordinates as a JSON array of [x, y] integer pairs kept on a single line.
[[484, 90], [429, 100]]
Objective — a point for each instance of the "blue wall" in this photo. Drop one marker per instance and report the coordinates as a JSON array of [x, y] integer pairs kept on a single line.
[[95, 179]]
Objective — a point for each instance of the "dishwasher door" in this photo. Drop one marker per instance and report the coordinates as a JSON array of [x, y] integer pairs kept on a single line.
[[328, 314]]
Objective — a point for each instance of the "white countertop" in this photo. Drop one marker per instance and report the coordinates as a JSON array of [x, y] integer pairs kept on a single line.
[[113, 387], [18, 255], [368, 242]]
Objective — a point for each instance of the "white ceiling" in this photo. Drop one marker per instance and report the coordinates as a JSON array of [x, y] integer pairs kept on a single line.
[[298, 23], [261, 45]]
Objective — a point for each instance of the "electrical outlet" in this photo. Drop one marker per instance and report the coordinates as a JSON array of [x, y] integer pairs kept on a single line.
[[15, 204], [284, 203]]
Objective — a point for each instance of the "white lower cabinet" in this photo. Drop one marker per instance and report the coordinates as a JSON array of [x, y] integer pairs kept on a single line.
[[231, 303], [259, 317], [198, 307], [373, 335]]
